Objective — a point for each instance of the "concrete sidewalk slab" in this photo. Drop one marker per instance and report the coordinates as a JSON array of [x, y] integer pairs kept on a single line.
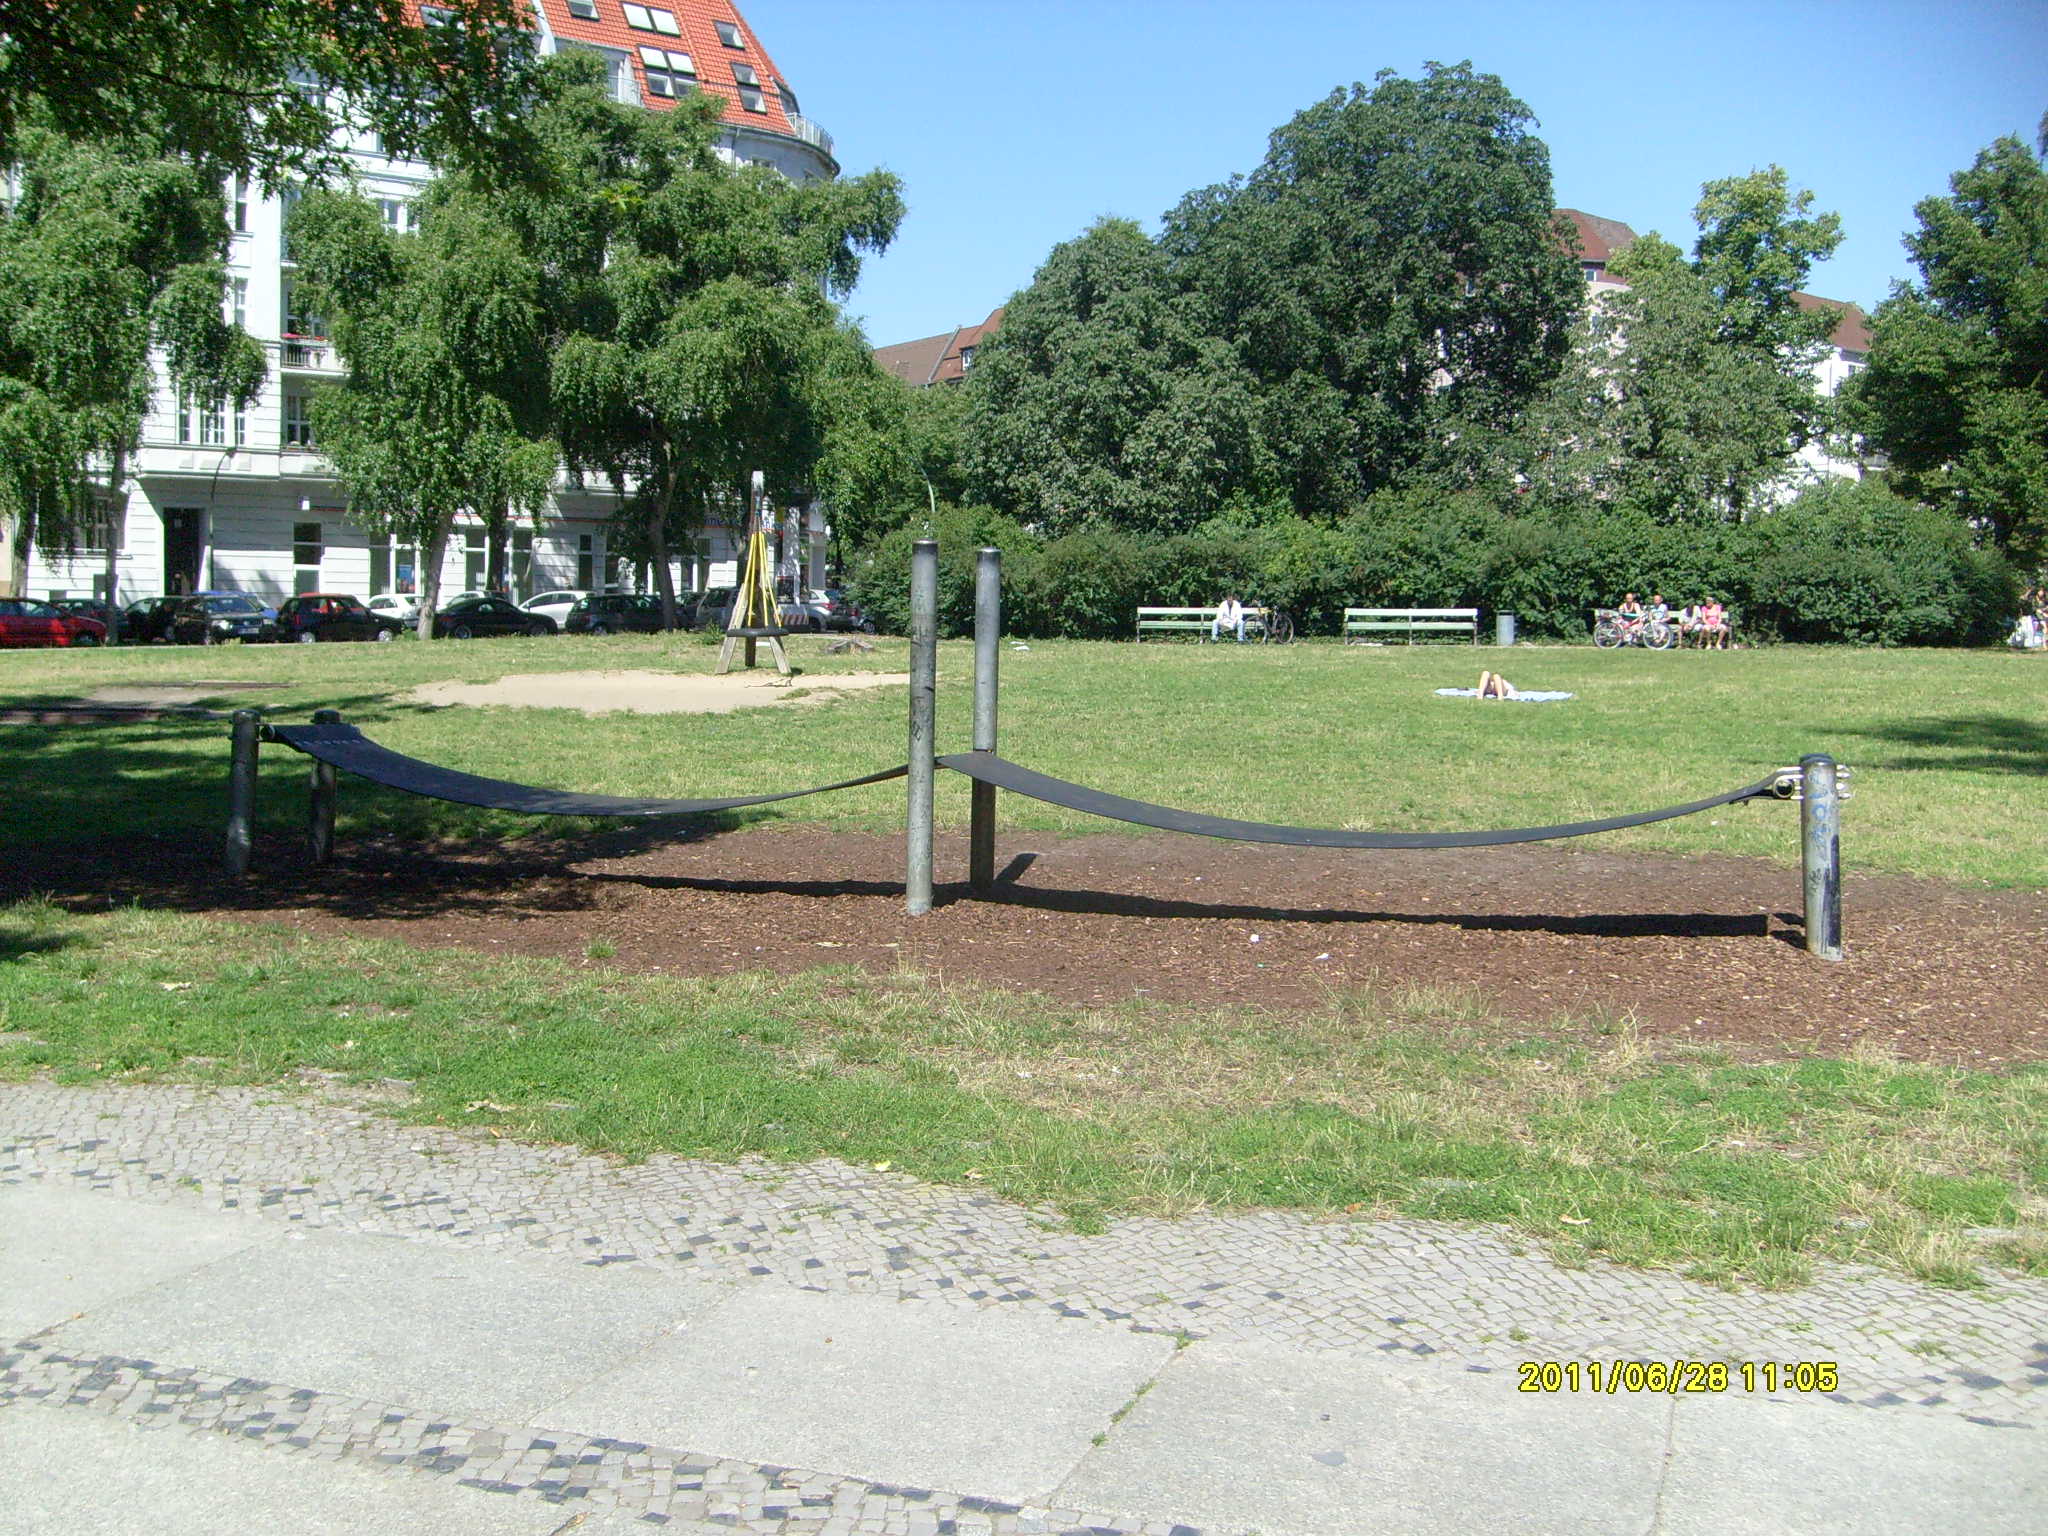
[[1756, 1468], [919, 1393], [66, 1251], [1240, 1436], [85, 1475], [473, 1332]]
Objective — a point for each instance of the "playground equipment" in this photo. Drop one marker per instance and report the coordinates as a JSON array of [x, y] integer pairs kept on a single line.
[[1814, 782], [755, 613]]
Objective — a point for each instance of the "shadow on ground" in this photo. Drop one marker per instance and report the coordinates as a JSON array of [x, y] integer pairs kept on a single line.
[[1962, 744]]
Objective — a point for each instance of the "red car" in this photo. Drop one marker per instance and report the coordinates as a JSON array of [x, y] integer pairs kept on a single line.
[[24, 621]]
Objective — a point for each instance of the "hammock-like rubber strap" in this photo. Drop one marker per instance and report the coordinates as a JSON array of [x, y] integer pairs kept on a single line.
[[987, 768], [351, 751]]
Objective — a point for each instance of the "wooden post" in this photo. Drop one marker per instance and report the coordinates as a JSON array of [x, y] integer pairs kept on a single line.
[[1821, 855], [988, 634], [248, 732], [320, 817], [924, 673]]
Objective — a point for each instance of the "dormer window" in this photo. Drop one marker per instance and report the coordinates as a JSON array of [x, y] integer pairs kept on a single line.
[[648, 19], [668, 73], [729, 34], [583, 10], [744, 73], [751, 95], [1592, 269], [966, 358]]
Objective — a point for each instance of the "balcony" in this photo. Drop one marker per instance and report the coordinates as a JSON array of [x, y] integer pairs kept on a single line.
[[812, 135], [307, 354]]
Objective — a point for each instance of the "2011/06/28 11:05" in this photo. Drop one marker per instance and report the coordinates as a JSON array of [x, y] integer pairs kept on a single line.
[[1676, 1376]]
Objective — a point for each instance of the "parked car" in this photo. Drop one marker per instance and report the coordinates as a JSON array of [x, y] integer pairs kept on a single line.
[[555, 605], [838, 610], [402, 606], [708, 608], [215, 617], [24, 622], [85, 608], [614, 613], [470, 617], [333, 616], [149, 621]]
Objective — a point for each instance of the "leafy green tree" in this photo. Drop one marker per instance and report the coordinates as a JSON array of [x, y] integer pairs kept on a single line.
[[1703, 390], [445, 334], [106, 251], [1393, 276], [1956, 393], [1102, 400], [262, 88], [702, 340], [891, 452]]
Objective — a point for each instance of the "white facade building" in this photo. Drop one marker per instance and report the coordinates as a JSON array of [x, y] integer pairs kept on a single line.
[[241, 500]]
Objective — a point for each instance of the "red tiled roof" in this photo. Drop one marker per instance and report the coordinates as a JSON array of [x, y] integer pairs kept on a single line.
[[1852, 330], [697, 37], [1600, 239], [936, 359]]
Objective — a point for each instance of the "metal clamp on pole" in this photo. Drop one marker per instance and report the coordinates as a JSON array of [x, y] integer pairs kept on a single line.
[[988, 634], [1820, 843], [248, 733], [320, 813], [924, 674]]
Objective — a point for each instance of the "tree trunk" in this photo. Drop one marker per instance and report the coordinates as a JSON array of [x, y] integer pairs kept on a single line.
[[497, 533], [657, 541], [21, 533], [436, 551], [117, 518]]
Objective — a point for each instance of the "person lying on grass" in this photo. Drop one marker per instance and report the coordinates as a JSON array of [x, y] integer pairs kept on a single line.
[[1493, 686]]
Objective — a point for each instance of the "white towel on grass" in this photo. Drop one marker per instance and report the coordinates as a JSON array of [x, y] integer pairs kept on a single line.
[[1519, 698]]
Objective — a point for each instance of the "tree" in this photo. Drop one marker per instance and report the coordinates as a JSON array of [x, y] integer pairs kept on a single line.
[[1393, 276], [109, 249], [1956, 392], [702, 342], [263, 88], [891, 451], [444, 410], [1102, 400], [1702, 370]]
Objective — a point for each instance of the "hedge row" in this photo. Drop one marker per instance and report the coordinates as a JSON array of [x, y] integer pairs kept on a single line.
[[1844, 562]]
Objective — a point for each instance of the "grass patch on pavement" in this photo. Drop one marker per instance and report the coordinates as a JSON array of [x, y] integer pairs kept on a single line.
[[1950, 748], [1377, 1105]]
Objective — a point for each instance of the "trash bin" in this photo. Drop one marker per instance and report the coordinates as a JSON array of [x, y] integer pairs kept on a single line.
[[1503, 629]]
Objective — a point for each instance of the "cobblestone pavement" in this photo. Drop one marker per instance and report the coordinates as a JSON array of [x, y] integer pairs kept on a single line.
[[1424, 1288]]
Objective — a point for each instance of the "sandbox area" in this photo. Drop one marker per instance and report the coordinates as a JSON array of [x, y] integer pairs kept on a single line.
[[652, 693]]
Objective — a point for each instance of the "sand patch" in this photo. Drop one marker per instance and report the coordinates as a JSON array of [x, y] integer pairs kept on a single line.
[[652, 693]]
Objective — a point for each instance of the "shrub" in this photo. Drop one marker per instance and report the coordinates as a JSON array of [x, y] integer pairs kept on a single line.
[[879, 577]]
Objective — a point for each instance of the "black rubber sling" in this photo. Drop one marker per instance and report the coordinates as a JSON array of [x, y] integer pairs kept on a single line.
[[351, 751], [987, 768]]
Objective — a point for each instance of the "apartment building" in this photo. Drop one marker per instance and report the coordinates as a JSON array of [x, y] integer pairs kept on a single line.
[[241, 499]]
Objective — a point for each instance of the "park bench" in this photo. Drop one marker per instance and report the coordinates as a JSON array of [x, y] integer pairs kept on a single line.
[[1194, 620], [1360, 622]]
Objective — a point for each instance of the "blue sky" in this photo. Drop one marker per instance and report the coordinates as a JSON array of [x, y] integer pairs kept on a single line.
[[1015, 125]]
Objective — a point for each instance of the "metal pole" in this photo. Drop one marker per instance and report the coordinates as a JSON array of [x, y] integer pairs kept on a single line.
[[924, 676], [320, 821], [988, 634], [248, 729], [1821, 855]]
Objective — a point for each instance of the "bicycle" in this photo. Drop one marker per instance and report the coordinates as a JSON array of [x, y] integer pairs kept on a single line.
[[1275, 625], [1610, 630]]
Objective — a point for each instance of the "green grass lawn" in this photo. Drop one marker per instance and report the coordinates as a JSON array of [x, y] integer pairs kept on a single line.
[[1950, 748], [1376, 1105], [1576, 1134]]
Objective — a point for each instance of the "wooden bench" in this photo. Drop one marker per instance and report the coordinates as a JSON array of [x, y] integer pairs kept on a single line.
[[1359, 622], [1196, 620]]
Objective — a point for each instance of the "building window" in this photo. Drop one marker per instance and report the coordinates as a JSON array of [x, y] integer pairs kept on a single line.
[[519, 565], [751, 96], [436, 15], [1592, 269], [618, 70], [586, 561], [206, 426], [238, 302], [393, 568], [398, 215], [238, 205], [298, 421], [966, 358], [729, 34], [648, 19], [298, 322], [311, 86], [584, 10], [789, 106], [306, 552], [668, 73]]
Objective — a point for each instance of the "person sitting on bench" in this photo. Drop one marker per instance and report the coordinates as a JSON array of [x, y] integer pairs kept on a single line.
[[1229, 615]]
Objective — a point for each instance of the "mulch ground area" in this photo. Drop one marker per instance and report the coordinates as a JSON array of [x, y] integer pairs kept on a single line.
[[1698, 949]]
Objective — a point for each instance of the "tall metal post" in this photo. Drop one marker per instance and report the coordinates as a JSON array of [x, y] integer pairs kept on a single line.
[[1821, 855], [924, 677], [988, 634], [248, 728], [320, 817]]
